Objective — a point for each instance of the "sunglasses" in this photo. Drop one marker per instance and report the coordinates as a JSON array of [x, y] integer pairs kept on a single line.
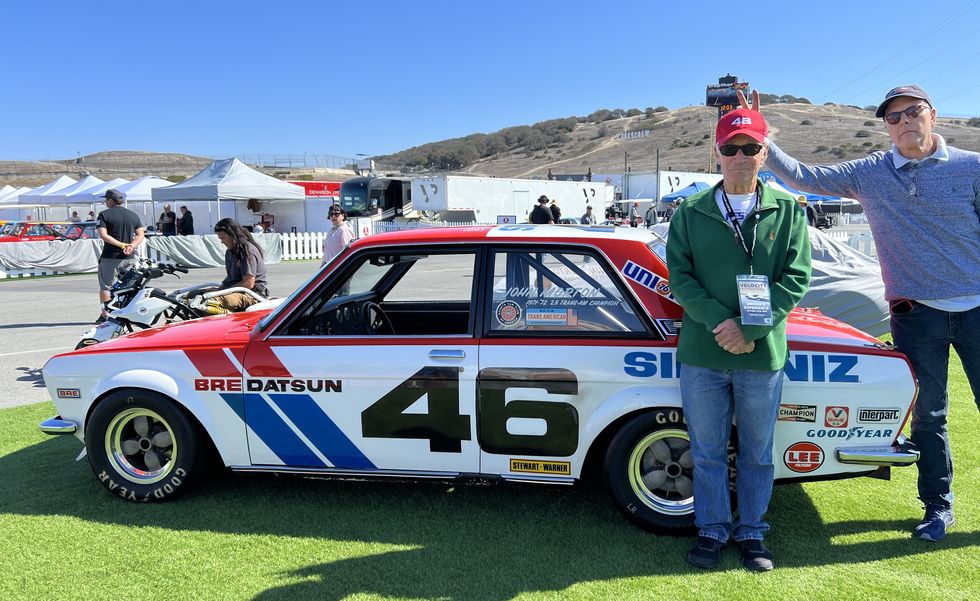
[[912, 112], [334, 213], [749, 150]]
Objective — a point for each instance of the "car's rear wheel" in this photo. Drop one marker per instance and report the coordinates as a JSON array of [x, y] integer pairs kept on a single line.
[[650, 472], [143, 447]]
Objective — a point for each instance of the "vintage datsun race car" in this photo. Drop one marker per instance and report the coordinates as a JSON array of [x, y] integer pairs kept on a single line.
[[521, 353]]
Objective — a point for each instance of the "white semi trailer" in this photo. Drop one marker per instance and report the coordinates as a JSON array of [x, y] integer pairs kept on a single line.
[[503, 200]]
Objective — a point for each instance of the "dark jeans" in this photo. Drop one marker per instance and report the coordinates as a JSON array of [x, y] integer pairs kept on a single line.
[[925, 334]]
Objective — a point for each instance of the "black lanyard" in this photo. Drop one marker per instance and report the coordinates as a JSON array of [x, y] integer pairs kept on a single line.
[[738, 230]]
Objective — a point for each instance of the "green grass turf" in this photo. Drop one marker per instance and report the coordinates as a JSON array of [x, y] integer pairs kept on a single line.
[[62, 536]]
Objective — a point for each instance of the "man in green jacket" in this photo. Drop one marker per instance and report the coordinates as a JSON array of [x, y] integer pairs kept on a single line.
[[739, 260]]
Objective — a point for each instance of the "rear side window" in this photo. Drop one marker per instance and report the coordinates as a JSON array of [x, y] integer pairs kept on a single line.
[[557, 292]]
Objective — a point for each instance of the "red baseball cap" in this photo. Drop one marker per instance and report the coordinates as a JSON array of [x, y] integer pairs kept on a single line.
[[742, 121]]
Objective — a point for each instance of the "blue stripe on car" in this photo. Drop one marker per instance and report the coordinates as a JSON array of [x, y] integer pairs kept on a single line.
[[235, 402], [278, 436], [317, 426]]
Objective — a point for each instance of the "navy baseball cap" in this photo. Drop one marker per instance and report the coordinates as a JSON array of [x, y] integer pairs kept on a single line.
[[912, 91], [113, 194]]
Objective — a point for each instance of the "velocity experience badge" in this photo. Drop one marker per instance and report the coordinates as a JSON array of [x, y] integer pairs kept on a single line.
[[754, 300]]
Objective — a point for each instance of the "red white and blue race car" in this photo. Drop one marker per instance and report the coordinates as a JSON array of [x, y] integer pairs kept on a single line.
[[524, 353]]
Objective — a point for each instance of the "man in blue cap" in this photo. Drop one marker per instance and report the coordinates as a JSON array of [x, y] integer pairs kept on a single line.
[[922, 200]]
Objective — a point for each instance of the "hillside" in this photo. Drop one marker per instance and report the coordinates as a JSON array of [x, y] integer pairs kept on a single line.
[[814, 134]]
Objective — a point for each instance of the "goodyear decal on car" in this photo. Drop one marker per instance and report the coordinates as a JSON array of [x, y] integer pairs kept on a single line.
[[534, 466]]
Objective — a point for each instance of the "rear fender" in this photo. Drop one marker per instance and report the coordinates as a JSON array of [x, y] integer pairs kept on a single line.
[[631, 400]]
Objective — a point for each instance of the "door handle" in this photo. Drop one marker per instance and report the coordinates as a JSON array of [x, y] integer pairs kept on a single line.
[[447, 354]]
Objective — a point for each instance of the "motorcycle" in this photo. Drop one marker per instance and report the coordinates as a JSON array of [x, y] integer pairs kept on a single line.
[[134, 305]]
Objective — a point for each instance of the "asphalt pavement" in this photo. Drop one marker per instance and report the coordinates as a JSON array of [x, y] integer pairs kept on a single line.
[[44, 316]]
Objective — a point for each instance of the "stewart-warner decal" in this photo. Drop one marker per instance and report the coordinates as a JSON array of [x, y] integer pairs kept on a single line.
[[648, 279]]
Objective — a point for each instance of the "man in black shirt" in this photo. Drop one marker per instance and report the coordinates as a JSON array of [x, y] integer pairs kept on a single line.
[[185, 226], [541, 213], [121, 233], [168, 222]]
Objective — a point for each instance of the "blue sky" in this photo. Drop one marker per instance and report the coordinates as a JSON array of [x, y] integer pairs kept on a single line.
[[223, 78]]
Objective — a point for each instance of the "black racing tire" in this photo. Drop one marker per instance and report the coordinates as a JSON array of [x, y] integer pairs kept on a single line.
[[143, 447], [650, 473], [85, 342]]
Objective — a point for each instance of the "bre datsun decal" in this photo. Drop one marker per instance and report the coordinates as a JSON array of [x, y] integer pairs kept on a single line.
[[268, 385], [69, 393]]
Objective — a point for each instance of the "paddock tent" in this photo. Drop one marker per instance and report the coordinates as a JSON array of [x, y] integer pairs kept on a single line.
[[96, 193], [64, 196], [6, 191], [139, 196], [42, 194], [685, 192], [223, 189]]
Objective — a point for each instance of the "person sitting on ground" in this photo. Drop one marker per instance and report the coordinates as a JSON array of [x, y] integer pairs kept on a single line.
[[244, 265]]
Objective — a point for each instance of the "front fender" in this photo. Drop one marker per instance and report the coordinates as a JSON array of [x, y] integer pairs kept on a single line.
[[216, 417]]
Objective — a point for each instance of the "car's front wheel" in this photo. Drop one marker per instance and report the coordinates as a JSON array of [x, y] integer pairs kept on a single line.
[[143, 447]]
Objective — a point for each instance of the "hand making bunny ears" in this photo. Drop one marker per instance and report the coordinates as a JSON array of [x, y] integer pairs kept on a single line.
[[743, 102]]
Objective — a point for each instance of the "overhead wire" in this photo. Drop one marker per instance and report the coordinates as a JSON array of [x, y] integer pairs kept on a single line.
[[906, 48]]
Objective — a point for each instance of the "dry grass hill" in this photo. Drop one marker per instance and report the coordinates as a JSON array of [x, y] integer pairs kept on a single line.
[[813, 134], [816, 134]]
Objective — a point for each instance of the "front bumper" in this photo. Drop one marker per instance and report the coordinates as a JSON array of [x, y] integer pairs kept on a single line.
[[902, 453], [56, 426]]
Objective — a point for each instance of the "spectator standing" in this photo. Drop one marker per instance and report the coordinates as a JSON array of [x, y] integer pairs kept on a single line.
[[167, 222], [555, 211], [339, 236], [650, 217], [541, 213], [244, 266], [922, 201], [811, 215], [588, 218], [634, 214], [121, 233], [732, 356], [185, 225]]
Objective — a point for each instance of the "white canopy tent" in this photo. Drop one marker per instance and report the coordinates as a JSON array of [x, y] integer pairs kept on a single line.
[[62, 200], [6, 191], [42, 194], [97, 193], [223, 189]]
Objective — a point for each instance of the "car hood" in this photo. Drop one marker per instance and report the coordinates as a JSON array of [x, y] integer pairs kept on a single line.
[[220, 330], [812, 326]]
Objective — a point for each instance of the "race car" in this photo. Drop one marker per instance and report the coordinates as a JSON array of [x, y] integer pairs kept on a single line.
[[29, 231], [522, 353]]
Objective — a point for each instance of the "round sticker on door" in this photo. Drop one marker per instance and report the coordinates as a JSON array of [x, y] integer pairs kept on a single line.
[[803, 457], [508, 313]]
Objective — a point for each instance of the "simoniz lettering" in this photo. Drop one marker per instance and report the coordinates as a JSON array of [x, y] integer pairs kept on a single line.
[[268, 385]]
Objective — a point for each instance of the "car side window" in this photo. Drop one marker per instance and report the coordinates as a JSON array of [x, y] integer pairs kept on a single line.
[[395, 294], [558, 292]]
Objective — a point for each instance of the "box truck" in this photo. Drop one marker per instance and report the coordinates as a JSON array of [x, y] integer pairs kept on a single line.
[[502, 200]]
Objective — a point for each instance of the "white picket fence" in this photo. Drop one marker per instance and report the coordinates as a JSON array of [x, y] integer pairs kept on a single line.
[[857, 237], [309, 245]]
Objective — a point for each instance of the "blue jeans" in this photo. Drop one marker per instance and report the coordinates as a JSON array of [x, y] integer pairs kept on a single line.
[[710, 396], [925, 334]]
